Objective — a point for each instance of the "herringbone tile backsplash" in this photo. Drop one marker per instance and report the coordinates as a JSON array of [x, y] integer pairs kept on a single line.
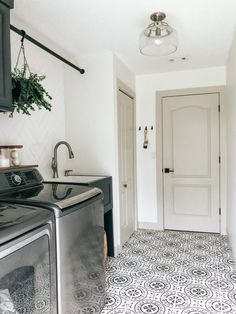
[[42, 130]]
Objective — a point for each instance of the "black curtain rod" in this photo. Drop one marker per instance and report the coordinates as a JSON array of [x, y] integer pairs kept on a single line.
[[37, 43]]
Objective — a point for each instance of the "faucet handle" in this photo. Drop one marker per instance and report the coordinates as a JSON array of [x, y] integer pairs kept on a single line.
[[67, 173], [53, 162]]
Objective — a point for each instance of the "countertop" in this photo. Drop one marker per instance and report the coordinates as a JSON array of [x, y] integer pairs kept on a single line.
[[75, 179]]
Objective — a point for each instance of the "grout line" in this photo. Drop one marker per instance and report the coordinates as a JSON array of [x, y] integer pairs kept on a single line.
[[178, 285], [229, 254], [219, 280], [135, 285]]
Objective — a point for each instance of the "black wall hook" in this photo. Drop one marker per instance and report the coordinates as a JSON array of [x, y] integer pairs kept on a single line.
[[146, 128], [23, 33]]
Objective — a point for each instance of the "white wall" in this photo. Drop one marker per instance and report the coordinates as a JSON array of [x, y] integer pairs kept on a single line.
[[91, 119], [90, 115], [146, 88], [231, 142], [123, 73], [43, 129]]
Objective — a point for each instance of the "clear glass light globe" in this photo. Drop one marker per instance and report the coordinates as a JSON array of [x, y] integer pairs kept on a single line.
[[151, 44]]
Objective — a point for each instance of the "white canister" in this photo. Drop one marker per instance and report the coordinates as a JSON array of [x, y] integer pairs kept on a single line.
[[4, 159], [4, 162], [15, 158]]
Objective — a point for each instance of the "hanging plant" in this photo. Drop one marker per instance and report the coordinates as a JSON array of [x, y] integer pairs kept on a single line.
[[27, 91]]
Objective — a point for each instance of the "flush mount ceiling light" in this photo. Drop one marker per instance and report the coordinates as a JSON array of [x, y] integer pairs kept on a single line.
[[159, 38]]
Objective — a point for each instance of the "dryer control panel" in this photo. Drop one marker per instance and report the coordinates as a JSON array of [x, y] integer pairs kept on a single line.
[[11, 180]]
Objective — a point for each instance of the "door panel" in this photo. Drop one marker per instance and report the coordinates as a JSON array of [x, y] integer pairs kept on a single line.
[[191, 149], [126, 165], [195, 160], [198, 196]]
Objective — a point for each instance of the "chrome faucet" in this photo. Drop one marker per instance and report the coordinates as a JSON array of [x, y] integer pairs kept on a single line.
[[54, 158]]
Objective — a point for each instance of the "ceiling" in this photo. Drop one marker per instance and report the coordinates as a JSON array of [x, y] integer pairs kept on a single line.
[[205, 29]]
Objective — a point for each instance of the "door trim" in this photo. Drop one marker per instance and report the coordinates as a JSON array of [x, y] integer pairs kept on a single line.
[[222, 149], [122, 87]]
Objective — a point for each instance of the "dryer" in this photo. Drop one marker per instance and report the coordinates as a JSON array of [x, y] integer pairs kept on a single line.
[[79, 219], [27, 259]]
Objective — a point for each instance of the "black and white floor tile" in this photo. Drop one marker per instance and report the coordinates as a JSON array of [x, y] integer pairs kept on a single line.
[[172, 272]]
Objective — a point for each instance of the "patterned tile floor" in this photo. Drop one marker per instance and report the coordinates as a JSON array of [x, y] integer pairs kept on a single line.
[[172, 272]]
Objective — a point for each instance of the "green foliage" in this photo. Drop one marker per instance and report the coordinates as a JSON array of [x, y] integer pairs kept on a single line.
[[28, 93]]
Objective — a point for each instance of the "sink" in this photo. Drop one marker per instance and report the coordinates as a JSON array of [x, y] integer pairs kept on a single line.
[[76, 179]]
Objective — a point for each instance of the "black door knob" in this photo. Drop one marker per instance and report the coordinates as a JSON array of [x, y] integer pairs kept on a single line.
[[125, 185]]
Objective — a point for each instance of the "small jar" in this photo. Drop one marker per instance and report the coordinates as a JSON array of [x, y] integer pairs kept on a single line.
[[15, 155], [4, 157]]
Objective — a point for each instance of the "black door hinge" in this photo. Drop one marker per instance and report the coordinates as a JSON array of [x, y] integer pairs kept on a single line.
[[219, 159], [219, 211], [219, 108]]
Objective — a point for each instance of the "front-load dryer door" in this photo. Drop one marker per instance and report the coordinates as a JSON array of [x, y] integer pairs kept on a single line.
[[27, 283]]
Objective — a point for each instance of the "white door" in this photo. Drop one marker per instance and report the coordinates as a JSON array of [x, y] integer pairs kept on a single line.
[[126, 165], [191, 151]]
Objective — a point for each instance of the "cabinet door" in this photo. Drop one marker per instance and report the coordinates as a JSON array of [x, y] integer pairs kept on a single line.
[[5, 60], [8, 3]]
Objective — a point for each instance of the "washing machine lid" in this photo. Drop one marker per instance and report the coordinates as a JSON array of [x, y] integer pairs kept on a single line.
[[60, 198], [16, 220], [61, 195], [26, 187]]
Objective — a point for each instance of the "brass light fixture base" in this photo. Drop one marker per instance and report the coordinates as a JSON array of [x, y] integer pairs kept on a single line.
[[157, 16]]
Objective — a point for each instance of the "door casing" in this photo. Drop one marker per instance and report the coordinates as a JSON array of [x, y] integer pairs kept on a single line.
[[223, 149], [125, 89]]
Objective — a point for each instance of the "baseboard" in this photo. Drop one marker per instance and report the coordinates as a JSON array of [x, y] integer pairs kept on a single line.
[[117, 250], [148, 225], [232, 247]]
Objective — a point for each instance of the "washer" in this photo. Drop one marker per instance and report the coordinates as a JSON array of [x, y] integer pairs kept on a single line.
[[27, 259], [79, 215]]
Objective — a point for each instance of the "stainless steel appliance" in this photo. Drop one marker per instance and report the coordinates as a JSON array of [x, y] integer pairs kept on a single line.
[[27, 259], [79, 214], [105, 184]]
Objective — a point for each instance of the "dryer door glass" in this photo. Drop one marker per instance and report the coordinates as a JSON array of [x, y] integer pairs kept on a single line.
[[25, 280]]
